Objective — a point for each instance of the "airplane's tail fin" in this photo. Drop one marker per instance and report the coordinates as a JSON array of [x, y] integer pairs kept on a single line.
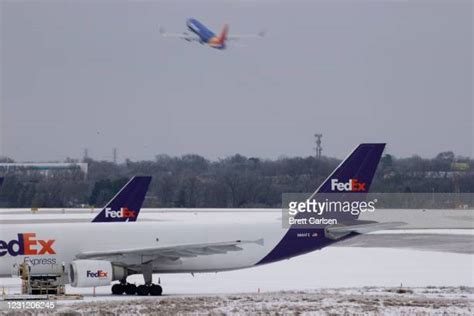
[[125, 206], [223, 36], [355, 173]]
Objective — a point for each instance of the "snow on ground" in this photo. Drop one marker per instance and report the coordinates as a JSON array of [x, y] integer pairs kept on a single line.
[[367, 301]]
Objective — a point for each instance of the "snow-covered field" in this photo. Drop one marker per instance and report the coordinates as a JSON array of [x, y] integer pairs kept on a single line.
[[367, 301], [329, 301]]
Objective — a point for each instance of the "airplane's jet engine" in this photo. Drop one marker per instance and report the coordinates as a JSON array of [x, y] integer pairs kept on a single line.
[[87, 273]]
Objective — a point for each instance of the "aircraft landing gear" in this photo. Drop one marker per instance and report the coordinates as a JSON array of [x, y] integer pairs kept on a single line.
[[155, 290], [124, 287], [118, 289], [132, 289], [143, 290], [149, 287], [152, 289]]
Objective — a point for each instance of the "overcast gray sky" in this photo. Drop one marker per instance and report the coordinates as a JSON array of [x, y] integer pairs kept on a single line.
[[97, 75]]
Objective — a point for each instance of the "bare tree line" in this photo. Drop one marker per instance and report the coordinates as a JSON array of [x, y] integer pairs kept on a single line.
[[237, 181]]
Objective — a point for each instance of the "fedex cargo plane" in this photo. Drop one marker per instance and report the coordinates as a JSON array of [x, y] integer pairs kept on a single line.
[[201, 34], [98, 253]]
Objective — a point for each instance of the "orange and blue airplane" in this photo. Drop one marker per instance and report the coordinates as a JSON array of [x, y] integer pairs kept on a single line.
[[200, 33]]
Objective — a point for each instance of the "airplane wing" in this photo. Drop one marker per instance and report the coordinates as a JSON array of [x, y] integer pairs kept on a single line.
[[165, 254], [185, 35]]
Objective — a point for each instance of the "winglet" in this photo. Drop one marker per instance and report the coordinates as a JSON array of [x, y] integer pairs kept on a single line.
[[260, 242], [125, 205]]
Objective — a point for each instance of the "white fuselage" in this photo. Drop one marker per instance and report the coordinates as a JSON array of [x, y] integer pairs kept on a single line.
[[71, 239]]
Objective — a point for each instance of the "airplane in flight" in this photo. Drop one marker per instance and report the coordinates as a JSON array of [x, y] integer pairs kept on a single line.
[[113, 247], [201, 34]]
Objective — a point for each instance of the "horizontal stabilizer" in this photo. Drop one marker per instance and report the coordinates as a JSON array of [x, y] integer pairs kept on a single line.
[[337, 232], [365, 228]]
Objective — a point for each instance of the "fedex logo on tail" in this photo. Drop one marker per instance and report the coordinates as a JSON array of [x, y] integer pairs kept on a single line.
[[353, 185], [97, 274], [122, 213], [26, 244]]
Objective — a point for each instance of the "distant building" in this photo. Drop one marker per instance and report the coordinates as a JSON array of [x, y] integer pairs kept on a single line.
[[45, 168]]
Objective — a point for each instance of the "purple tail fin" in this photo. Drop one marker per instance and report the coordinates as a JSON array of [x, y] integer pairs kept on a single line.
[[125, 206], [355, 173]]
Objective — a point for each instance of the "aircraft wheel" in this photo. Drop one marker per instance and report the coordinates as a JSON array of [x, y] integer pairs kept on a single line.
[[118, 289], [130, 289], [155, 290], [143, 290]]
